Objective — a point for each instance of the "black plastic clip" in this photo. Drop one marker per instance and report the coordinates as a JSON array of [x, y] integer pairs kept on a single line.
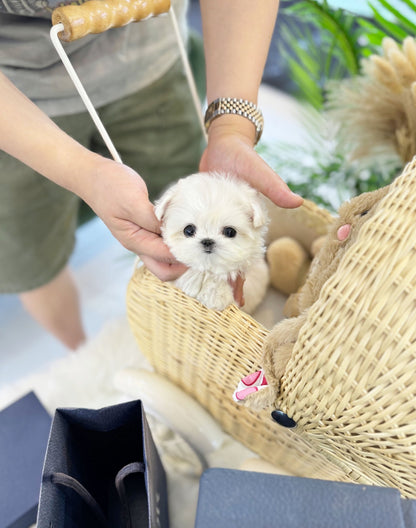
[[283, 419]]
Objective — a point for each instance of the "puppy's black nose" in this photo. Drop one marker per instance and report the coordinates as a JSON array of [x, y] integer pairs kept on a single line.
[[208, 244]]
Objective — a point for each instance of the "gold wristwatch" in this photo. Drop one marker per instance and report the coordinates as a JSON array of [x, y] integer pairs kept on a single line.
[[241, 107]]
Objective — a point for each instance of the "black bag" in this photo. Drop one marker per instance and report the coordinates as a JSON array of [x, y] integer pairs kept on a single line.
[[102, 469]]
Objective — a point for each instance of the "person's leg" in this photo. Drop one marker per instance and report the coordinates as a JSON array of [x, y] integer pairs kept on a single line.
[[37, 234], [56, 307], [156, 131]]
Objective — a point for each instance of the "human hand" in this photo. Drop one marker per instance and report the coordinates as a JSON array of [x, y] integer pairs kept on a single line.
[[116, 193], [119, 196], [230, 149]]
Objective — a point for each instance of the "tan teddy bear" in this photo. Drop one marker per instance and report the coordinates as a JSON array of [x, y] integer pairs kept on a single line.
[[289, 263], [259, 390]]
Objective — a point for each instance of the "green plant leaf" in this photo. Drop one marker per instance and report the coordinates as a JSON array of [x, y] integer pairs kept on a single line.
[[325, 45], [410, 4], [334, 22], [311, 91], [390, 27], [405, 22], [373, 35]]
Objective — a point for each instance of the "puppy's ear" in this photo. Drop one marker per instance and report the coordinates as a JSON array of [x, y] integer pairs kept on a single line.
[[258, 215], [162, 203]]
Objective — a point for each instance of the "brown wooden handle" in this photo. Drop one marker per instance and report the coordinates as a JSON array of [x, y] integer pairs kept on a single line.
[[96, 16]]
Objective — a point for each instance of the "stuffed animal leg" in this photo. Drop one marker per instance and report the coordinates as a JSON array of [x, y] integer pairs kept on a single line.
[[258, 390]]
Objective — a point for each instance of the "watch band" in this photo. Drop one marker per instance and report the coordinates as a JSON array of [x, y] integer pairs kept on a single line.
[[241, 107]]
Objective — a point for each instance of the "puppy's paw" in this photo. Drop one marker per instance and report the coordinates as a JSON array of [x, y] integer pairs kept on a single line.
[[216, 295], [256, 282], [190, 283], [210, 290]]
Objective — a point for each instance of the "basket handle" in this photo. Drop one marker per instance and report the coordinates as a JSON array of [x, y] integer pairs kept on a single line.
[[96, 16]]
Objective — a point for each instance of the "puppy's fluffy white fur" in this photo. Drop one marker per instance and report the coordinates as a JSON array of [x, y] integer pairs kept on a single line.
[[215, 224]]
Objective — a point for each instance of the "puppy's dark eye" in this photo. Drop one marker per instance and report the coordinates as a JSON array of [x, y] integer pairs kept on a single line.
[[229, 232], [364, 213], [189, 230]]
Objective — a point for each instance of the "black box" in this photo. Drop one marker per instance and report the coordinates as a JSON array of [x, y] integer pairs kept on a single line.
[[241, 499], [24, 433]]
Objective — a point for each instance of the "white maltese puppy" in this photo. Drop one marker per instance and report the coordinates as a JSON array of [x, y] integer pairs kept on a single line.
[[215, 224]]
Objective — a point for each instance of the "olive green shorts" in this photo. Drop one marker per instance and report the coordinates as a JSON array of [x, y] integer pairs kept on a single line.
[[155, 131]]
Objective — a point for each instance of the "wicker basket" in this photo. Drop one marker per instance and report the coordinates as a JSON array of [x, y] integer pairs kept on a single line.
[[350, 384]]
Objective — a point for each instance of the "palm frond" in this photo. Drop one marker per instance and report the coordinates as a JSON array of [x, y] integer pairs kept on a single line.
[[388, 21], [390, 28], [410, 4], [317, 43], [336, 26], [405, 23], [331, 43]]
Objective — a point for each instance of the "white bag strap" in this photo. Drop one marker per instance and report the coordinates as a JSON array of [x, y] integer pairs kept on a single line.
[[76, 13]]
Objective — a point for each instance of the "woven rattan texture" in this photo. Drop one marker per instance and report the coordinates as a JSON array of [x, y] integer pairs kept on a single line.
[[350, 383], [206, 353]]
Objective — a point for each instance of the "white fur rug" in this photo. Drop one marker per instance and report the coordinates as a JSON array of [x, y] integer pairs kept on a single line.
[[96, 376]]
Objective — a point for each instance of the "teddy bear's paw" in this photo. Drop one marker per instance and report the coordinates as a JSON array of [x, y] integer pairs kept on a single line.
[[258, 400], [253, 391]]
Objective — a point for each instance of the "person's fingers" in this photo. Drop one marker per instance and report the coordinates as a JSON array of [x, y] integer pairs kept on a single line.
[[270, 184], [146, 243], [165, 271], [143, 215], [240, 159], [154, 253], [135, 199]]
